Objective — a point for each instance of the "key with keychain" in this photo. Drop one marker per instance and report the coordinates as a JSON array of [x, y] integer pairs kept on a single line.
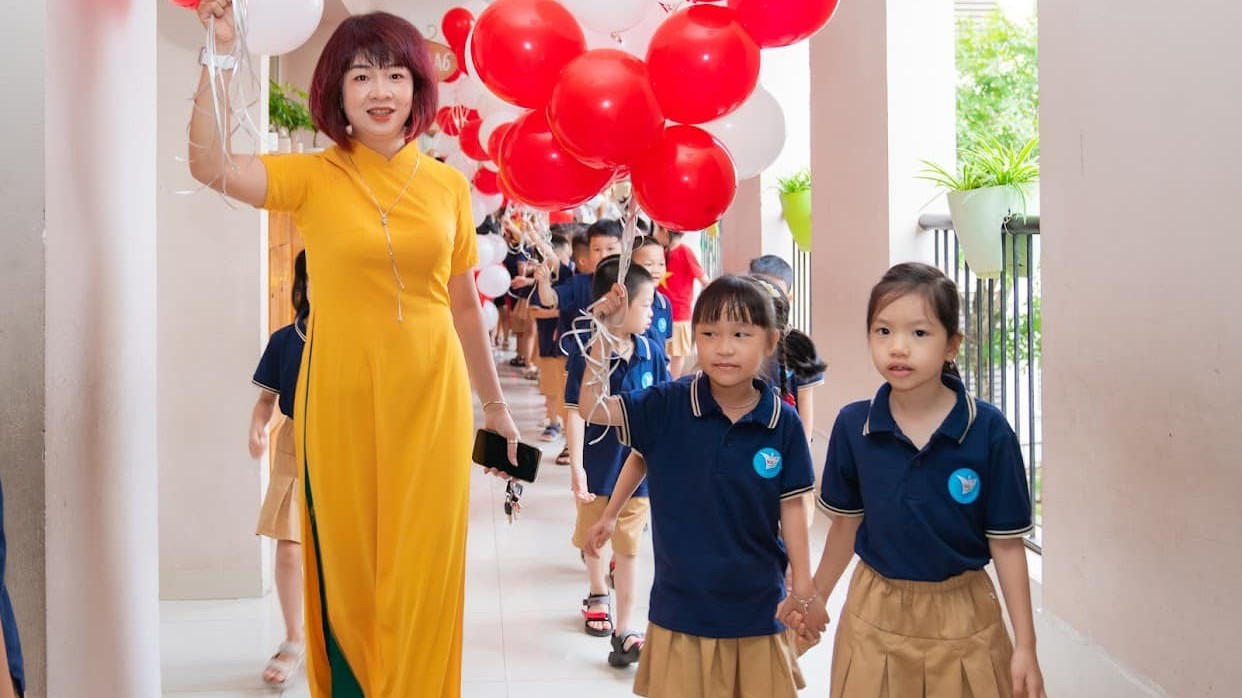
[[513, 500]]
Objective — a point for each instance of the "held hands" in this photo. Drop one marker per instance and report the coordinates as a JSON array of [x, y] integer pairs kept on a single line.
[[806, 613], [1028, 680], [222, 11], [599, 535]]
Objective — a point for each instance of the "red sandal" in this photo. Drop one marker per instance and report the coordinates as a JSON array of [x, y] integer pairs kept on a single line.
[[589, 616]]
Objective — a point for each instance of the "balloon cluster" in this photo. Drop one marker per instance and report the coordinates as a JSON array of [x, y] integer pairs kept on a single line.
[[560, 99], [275, 27], [491, 277]]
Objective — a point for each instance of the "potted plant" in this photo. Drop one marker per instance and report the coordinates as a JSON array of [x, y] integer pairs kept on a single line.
[[795, 193], [994, 181], [287, 111]]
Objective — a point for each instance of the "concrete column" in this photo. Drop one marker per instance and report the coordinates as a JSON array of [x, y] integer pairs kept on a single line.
[[21, 320], [882, 97], [102, 528], [741, 230], [212, 317]]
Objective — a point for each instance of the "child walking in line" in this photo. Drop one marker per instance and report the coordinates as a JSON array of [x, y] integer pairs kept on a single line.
[[570, 297], [727, 464], [636, 363], [683, 271], [279, 518], [926, 483], [551, 360], [649, 254], [795, 370]]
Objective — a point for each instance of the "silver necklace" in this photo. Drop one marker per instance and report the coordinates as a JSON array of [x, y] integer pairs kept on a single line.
[[383, 214], [748, 405]]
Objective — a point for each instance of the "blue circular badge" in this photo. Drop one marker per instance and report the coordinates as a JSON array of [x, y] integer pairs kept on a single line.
[[647, 379], [768, 463], [964, 485], [662, 325]]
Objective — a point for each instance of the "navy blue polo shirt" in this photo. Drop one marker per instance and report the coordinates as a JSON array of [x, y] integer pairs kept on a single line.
[[572, 298], [661, 329], [716, 492], [512, 260], [12, 643], [546, 329], [927, 514], [278, 368], [646, 367]]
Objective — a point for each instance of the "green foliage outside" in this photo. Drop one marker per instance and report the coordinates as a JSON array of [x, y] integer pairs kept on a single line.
[[997, 80], [287, 110]]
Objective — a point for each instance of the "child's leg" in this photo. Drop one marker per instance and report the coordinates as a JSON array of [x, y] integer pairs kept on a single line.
[[289, 587], [625, 578], [597, 567]]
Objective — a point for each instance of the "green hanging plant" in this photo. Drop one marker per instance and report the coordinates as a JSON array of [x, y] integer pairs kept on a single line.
[[795, 194], [287, 111]]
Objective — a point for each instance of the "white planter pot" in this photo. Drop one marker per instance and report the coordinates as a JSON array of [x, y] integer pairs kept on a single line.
[[978, 215]]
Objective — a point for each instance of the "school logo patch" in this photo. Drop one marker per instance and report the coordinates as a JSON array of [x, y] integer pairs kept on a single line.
[[662, 325], [964, 485], [768, 463], [648, 379]]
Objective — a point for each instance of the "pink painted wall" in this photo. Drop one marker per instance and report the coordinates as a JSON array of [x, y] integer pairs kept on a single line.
[[1142, 342]]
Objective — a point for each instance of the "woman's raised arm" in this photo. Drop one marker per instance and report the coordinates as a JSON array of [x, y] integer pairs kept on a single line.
[[245, 179]]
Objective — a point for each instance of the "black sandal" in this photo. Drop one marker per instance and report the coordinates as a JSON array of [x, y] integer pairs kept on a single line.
[[589, 617], [620, 657]]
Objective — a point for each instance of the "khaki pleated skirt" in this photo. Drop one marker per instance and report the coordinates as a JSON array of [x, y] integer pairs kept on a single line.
[[279, 518], [898, 639], [676, 665]]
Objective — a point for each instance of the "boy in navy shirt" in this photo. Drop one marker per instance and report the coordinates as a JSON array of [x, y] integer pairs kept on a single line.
[[571, 297], [551, 360], [649, 254], [636, 363]]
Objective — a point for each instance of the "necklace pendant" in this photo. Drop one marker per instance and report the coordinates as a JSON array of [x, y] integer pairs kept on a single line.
[[384, 220]]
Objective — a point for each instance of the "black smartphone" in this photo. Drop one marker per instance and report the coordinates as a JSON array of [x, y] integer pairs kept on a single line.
[[491, 450]]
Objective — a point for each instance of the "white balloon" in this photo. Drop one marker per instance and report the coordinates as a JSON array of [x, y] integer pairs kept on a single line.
[[637, 40], [448, 93], [495, 120], [479, 214], [462, 163], [494, 280], [470, 91], [608, 16], [485, 250], [500, 248], [491, 316], [754, 133], [275, 27], [491, 202]]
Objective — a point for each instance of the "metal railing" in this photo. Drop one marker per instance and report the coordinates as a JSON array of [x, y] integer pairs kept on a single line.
[[1002, 323]]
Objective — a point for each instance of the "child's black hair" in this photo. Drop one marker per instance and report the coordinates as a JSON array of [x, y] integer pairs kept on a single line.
[[581, 244], [795, 352], [606, 275], [736, 298], [299, 295], [558, 241], [927, 281], [641, 241], [605, 228], [774, 267]]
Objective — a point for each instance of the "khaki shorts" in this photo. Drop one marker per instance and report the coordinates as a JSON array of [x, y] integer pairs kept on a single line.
[[630, 523], [279, 517], [682, 341], [676, 665], [921, 638], [552, 378]]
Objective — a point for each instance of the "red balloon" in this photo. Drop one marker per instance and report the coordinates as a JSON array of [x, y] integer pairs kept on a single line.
[[187, 3], [450, 119], [495, 142], [487, 182], [603, 109], [541, 172], [456, 26], [520, 47], [685, 181], [703, 64], [773, 23], [470, 140]]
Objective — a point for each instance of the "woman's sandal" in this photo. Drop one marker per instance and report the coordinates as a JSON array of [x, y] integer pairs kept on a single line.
[[620, 657], [563, 457], [285, 667], [589, 616]]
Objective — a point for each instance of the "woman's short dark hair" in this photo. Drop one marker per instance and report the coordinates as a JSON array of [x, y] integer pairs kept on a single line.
[[735, 298], [384, 40]]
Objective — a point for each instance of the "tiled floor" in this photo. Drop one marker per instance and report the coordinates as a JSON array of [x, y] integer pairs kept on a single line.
[[523, 636]]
